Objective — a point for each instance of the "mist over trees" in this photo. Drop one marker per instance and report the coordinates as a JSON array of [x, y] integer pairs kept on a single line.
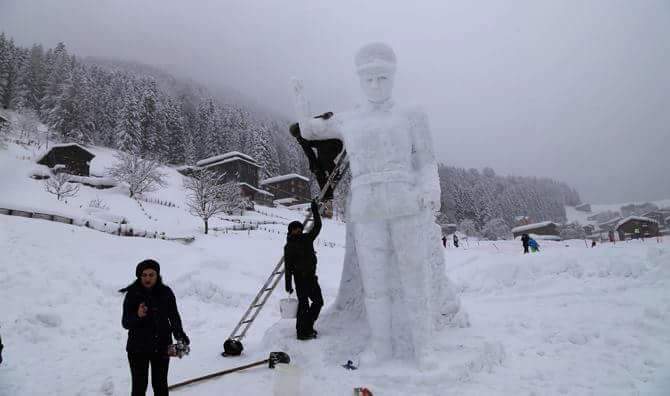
[[145, 112], [486, 198], [138, 109]]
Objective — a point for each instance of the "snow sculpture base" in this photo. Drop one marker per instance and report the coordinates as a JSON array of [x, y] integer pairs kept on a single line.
[[456, 355]]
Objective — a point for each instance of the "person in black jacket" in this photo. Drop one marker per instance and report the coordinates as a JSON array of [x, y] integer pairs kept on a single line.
[[525, 239], [151, 317], [300, 263]]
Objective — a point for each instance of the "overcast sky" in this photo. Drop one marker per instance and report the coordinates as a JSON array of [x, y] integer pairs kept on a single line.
[[574, 90]]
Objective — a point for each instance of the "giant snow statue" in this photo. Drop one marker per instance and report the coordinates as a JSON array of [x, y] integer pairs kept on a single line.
[[393, 276]]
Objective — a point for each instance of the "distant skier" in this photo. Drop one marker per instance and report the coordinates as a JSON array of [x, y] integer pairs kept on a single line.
[[593, 243], [300, 262], [150, 314], [534, 246], [455, 240], [444, 241], [524, 241], [610, 235]]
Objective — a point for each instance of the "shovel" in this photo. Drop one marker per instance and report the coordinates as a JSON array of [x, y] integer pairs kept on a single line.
[[272, 360]]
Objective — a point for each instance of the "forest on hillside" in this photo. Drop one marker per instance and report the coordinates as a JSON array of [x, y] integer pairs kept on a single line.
[[144, 111], [137, 110], [489, 200]]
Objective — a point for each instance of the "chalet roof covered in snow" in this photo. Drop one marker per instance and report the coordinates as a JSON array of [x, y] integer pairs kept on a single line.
[[282, 178], [76, 146], [258, 190], [227, 160], [533, 226], [631, 218], [219, 158]]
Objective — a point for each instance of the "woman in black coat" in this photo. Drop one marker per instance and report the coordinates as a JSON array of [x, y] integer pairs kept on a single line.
[[151, 317]]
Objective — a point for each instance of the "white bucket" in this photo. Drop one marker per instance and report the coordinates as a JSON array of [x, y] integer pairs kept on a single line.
[[288, 308], [287, 380]]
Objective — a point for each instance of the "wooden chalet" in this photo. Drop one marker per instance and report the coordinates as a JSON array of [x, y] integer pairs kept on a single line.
[[239, 167], [257, 195], [288, 186], [70, 158], [627, 227], [548, 228], [235, 165]]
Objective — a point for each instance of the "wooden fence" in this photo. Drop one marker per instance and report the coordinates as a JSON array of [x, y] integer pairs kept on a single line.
[[97, 225]]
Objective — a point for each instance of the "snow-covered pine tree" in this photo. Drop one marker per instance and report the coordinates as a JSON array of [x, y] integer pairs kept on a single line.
[[58, 66], [264, 151], [175, 139], [10, 60], [128, 123]]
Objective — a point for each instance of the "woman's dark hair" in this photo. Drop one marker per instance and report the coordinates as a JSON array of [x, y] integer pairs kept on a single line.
[[145, 264], [138, 283]]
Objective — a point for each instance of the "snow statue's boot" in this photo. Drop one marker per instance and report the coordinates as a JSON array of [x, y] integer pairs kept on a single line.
[[379, 348]]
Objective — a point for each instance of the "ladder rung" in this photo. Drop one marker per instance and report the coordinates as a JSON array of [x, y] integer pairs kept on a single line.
[[257, 305], [246, 321], [268, 289]]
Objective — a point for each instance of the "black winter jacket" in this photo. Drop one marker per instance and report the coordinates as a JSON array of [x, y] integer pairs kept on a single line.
[[299, 255], [152, 333]]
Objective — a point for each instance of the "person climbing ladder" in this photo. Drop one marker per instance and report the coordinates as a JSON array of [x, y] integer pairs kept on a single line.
[[300, 261]]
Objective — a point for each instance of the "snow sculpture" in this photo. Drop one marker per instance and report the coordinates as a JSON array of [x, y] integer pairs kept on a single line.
[[394, 274]]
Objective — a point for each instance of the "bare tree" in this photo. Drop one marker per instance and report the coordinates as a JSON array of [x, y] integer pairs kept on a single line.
[[234, 199], [206, 194], [141, 175], [60, 186]]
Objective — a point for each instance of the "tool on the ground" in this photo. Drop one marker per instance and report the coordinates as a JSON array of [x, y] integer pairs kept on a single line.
[[233, 345], [272, 361]]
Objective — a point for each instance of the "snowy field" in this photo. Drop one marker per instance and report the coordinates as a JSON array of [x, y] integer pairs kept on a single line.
[[568, 320]]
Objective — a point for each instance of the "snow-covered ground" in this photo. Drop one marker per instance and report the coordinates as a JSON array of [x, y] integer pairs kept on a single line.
[[567, 320]]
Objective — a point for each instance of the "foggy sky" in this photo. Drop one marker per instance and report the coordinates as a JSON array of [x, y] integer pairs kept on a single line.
[[574, 90]]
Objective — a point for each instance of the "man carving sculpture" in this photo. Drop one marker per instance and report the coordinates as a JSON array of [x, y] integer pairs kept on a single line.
[[395, 271]]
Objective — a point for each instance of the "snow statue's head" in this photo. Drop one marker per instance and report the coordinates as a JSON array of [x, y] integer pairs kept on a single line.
[[375, 64]]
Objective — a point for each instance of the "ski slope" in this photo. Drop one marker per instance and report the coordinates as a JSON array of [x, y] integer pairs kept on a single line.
[[568, 320]]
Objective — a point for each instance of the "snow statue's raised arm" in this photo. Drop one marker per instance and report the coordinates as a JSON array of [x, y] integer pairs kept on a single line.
[[322, 127], [423, 161]]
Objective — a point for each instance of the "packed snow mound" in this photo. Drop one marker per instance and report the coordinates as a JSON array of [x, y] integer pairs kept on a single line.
[[557, 262]]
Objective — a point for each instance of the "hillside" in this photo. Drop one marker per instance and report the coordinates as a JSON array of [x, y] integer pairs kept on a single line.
[[568, 320]]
